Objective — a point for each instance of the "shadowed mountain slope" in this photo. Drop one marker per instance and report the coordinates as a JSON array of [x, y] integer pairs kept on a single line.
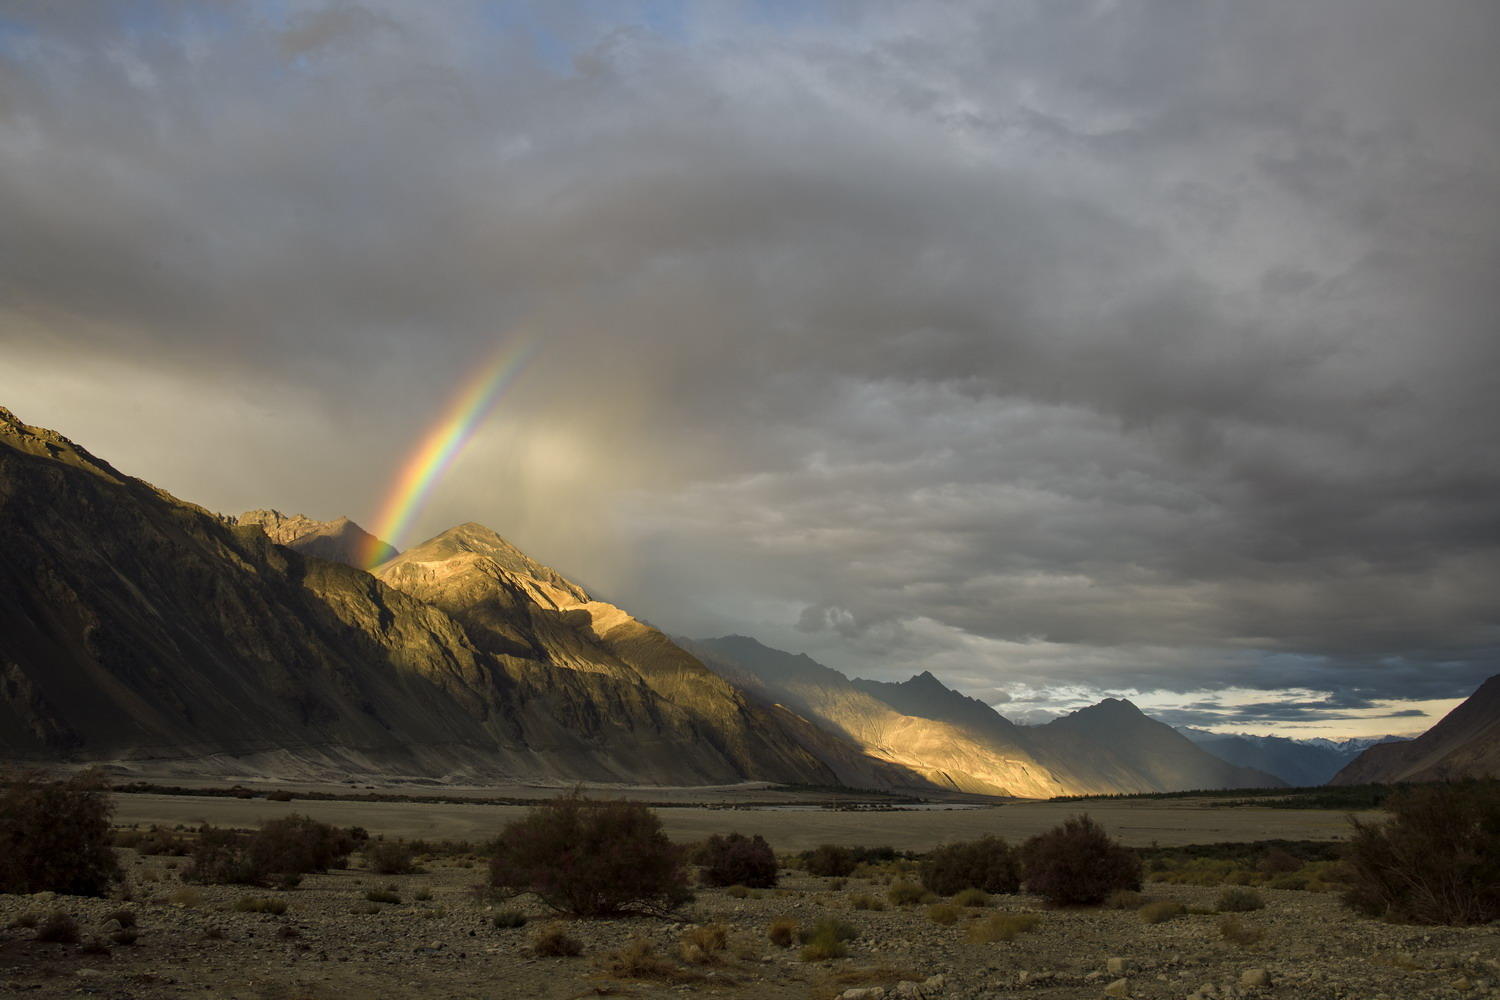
[[1465, 743], [135, 626], [1115, 744], [340, 540]]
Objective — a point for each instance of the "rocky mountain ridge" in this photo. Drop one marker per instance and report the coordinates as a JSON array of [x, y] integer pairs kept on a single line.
[[959, 741]]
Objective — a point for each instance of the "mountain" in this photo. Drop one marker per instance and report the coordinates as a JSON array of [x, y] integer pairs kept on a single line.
[[956, 754], [960, 741], [1114, 742], [340, 540], [136, 627], [514, 607], [1301, 763], [1464, 744]]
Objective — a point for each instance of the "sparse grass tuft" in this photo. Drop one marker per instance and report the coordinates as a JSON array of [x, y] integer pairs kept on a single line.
[[637, 960], [509, 919], [945, 914], [552, 941], [1161, 911], [260, 904], [825, 939], [1126, 899], [703, 945], [1236, 931], [186, 897], [365, 909], [382, 896], [908, 894], [1238, 900], [782, 932], [865, 901], [1001, 927], [972, 897]]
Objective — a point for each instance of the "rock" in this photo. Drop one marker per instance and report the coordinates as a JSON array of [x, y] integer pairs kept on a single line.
[[935, 984], [1118, 988], [863, 993], [1115, 966], [907, 990], [1255, 979], [1462, 983], [111, 925]]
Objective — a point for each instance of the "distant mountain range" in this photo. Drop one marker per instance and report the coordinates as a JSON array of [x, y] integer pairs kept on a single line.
[[1297, 762], [962, 743], [141, 631]]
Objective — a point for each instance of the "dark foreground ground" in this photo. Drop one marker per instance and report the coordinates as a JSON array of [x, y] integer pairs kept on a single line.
[[439, 941]]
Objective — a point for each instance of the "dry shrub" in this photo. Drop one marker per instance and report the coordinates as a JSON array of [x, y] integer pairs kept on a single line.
[[865, 901], [1161, 911], [382, 896], [972, 897], [55, 836], [552, 941], [26, 920], [945, 914], [1435, 861], [591, 859], [281, 850], [58, 928], [1238, 900], [736, 859], [1236, 931], [1001, 927], [636, 960], [1078, 862], [737, 891], [830, 860], [988, 863], [389, 857], [908, 893], [782, 932]]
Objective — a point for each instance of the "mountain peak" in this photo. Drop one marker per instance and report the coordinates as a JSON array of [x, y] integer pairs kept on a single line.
[[339, 540]]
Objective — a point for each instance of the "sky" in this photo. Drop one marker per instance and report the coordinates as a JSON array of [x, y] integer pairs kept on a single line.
[[1064, 348]]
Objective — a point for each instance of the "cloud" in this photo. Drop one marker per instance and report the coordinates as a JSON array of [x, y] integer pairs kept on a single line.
[[1068, 346]]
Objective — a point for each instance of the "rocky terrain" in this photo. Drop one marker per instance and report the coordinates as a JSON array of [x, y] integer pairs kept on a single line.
[[440, 941]]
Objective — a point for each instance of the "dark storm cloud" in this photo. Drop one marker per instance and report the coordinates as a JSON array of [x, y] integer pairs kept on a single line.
[[1142, 346]]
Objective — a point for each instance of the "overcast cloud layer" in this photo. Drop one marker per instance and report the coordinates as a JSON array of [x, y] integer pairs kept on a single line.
[[1058, 347]]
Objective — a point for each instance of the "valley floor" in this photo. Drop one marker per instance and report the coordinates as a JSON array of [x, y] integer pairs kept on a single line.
[[1138, 823], [332, 943]]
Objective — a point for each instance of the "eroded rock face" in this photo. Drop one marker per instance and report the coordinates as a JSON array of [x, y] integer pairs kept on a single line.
[[339, 540], [136, 626]]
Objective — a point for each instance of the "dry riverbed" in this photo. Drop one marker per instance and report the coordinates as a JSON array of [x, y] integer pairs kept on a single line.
[[332, 942]]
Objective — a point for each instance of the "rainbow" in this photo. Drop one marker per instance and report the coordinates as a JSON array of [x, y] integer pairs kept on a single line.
[[425, 466]]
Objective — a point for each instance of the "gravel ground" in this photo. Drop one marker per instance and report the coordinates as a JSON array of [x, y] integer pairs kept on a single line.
[[322, 948]]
